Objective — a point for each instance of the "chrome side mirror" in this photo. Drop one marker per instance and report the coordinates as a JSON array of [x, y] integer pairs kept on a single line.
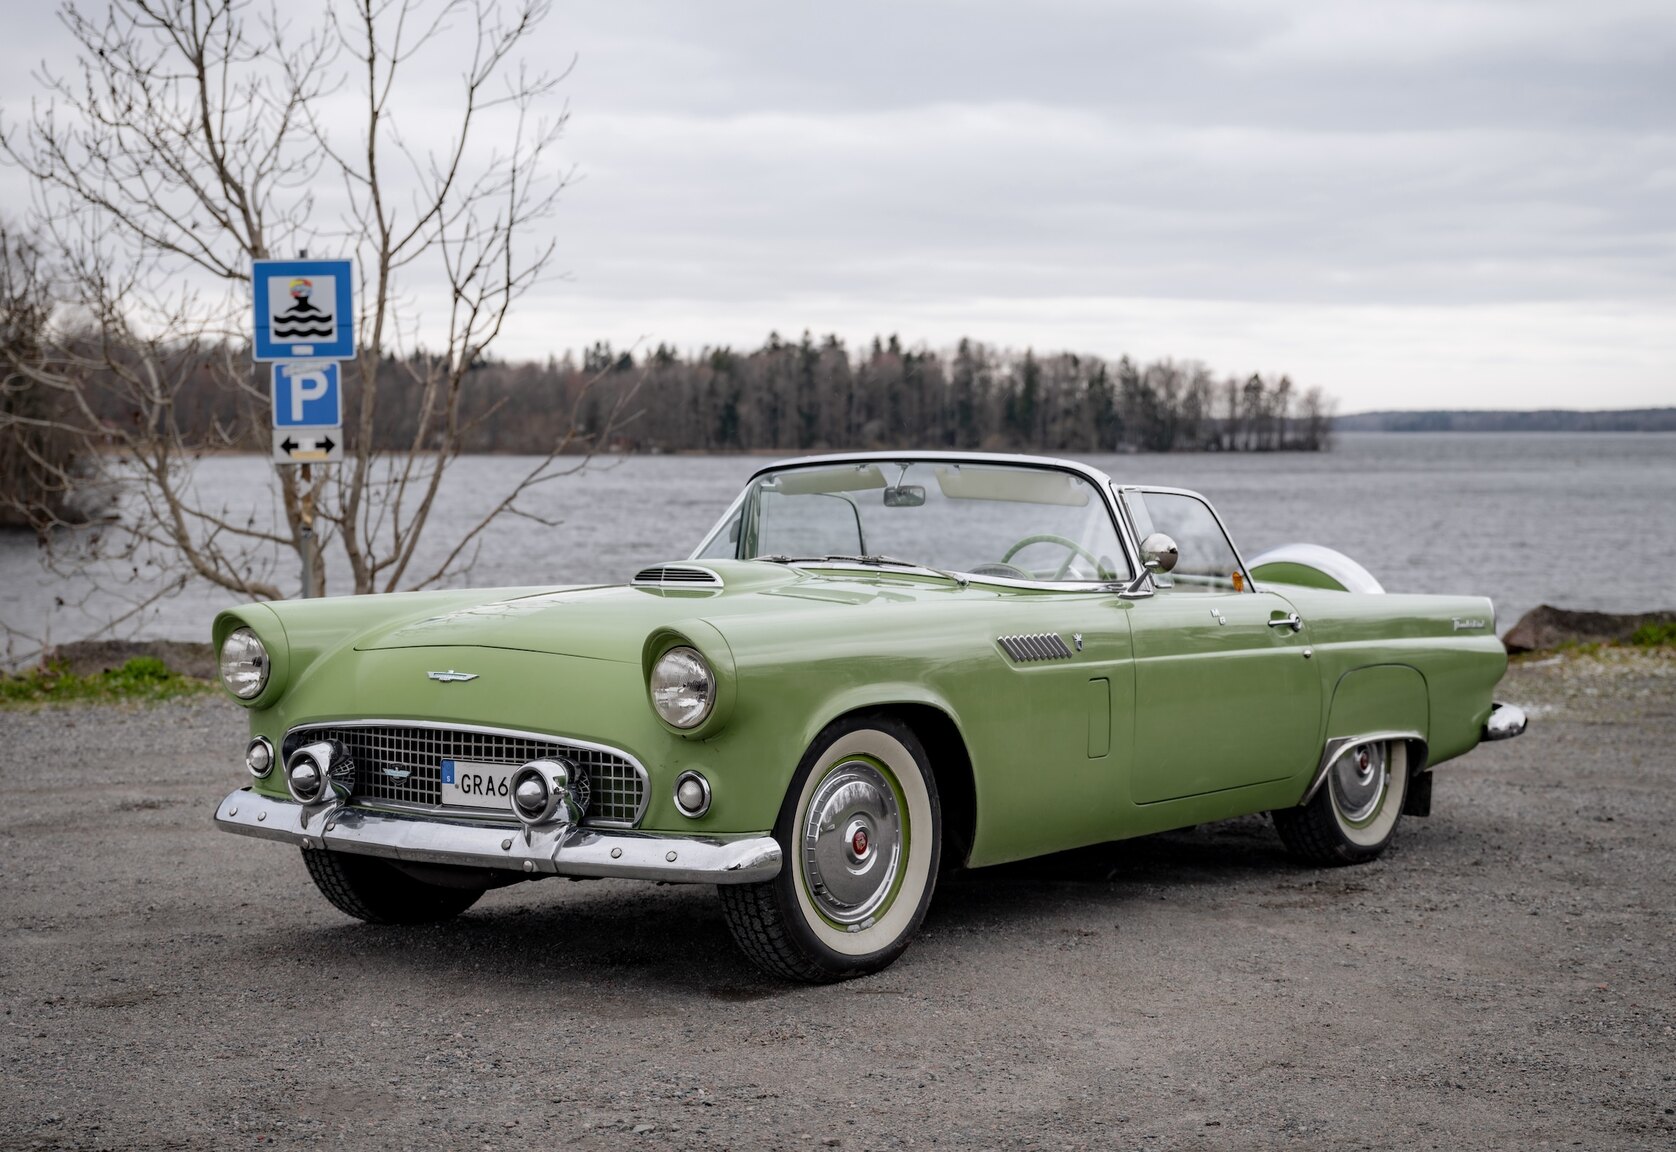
[[1159, 553]]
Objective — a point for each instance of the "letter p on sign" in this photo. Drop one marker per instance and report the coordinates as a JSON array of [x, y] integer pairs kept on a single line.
[[306, 386], [307, 395]]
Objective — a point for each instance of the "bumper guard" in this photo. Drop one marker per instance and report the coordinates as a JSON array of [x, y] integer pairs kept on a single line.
[[1506, 721]]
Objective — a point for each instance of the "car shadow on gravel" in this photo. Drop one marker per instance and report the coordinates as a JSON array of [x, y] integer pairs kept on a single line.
[[621, 937]]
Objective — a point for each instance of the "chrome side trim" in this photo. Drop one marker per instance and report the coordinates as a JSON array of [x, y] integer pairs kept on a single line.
[[563, 850], [1506, 721], [515, 733], [1338, 745]]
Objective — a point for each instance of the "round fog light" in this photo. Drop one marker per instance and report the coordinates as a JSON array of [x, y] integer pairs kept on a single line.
[[259, 757], [530, 797], [692, 794], [319, 771], [549, 791], [305, 781]]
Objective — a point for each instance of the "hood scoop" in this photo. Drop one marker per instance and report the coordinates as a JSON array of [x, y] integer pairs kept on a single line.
[[676, 576]]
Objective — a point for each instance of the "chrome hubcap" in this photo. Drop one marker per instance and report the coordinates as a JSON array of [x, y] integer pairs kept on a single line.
[[1359, 779], [852, 843]]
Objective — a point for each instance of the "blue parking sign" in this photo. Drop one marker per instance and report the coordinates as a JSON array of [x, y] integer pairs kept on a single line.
[[307, 395], [304, 309]]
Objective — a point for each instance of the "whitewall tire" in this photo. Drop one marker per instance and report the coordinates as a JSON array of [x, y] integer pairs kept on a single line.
[[860, 836]]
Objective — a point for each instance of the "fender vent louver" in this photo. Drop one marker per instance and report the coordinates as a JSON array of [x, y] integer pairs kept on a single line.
[[669, 575], [1040, 646]]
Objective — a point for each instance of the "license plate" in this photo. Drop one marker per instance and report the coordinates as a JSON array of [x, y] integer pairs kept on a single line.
[[477, 785]]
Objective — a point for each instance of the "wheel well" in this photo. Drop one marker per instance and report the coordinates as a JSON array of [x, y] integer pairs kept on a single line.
[[953, 769]]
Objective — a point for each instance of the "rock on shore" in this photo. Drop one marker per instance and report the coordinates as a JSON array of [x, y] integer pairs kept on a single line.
[[91, 657], [1548, 627]]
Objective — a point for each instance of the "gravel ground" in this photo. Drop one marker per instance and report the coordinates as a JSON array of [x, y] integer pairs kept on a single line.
[[1505, 977]]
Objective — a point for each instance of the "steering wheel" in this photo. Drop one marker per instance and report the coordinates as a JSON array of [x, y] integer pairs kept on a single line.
[[991, 568], [1072, 551]]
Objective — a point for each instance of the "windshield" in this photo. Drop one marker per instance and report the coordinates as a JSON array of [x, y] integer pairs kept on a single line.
[[1010, 521]]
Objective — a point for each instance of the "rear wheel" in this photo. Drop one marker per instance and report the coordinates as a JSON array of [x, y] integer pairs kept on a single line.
[[1354, 813], [378, 892], [860, 835]]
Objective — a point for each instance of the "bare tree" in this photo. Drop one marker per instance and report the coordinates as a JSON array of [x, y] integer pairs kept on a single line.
[[195, 136], [37, 460]]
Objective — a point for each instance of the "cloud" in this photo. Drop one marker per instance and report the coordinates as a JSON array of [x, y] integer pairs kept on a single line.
[[1466, 198]]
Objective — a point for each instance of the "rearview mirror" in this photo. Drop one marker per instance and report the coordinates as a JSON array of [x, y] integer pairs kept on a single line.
[[905, 496], [1159, 553]]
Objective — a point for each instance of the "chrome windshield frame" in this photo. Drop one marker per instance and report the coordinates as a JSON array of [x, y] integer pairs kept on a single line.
[[1101, 482]]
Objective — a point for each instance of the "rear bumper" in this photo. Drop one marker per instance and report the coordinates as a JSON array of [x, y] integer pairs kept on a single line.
[[559, 850], [1506, 721]]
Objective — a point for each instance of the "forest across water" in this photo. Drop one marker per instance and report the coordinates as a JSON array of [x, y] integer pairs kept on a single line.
[[805, 395]]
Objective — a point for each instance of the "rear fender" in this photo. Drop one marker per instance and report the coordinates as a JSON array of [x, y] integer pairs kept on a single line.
[[1386, 702]]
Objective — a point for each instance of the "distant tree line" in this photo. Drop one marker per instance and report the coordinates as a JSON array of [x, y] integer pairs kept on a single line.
[[809, 395], [1544, 420], [814, 395]]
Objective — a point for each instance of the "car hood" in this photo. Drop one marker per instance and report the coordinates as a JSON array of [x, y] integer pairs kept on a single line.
[[612, 623]]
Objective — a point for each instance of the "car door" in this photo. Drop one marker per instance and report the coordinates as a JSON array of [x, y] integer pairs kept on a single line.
[[1226, 694]]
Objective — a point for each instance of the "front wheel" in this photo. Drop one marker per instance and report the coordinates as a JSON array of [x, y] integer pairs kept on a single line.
[[1354, 812], [860, 835], [380, 893]]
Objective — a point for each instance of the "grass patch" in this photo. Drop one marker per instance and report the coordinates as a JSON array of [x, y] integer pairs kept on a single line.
[[142, 678], [1655, 634]]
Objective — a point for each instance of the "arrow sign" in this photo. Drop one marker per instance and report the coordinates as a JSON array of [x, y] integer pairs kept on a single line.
[[308, 445]]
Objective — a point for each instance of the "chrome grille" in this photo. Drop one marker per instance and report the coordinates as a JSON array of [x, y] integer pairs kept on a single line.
[[1040, 646], [403, 762]]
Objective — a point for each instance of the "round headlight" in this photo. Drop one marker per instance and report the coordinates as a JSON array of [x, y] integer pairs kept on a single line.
[[683, 687], [244, 664]]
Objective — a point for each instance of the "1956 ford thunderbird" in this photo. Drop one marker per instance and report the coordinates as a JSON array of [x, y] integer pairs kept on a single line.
[[875, 667]]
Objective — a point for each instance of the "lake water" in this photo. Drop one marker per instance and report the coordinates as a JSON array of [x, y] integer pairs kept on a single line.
[[1577, 520]]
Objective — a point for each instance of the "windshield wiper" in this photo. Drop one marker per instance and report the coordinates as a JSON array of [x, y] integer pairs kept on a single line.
[[869, 561], [877, 561]]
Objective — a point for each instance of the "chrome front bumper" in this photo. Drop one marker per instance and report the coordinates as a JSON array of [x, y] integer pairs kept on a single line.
[[559, 850]]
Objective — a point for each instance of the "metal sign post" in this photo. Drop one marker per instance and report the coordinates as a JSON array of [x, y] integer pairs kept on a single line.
[[304, 324]]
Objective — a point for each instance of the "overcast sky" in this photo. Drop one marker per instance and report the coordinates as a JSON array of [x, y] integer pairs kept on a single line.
[[1463, 204]]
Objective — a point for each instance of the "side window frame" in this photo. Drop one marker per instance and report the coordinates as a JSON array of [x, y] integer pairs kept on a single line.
[[1246, 584]]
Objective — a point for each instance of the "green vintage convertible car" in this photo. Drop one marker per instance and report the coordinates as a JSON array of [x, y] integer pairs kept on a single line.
[[875, 667]]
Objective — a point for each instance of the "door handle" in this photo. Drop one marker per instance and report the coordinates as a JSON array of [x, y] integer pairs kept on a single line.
[[1291, 620]]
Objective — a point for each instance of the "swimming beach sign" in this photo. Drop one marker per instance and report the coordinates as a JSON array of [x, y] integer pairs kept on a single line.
[[304, 309]]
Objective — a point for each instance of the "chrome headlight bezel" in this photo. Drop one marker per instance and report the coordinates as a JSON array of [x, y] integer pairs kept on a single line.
[[682, 687], [244, 664]]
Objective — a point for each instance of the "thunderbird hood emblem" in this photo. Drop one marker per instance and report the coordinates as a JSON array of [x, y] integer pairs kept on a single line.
[[450, 676]]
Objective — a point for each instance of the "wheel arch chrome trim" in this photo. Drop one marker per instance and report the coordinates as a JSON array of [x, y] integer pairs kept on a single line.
[[1337, 746], [515, 733]]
